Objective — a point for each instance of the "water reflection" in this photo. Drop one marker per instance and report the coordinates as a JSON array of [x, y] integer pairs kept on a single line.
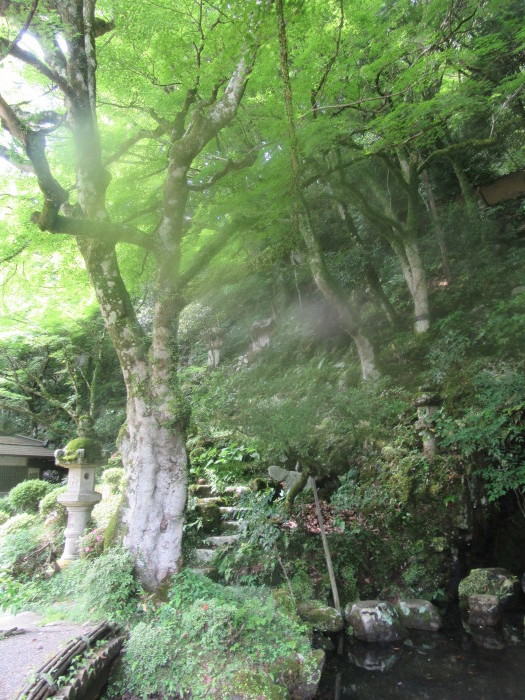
[[453, 665]]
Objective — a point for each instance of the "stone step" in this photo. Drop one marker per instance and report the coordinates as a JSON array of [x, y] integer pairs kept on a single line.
[[218, 500], [235, 490], [231, 510], [209, 571], [201, 490], [203, 556], [221, 540], [231, 525]]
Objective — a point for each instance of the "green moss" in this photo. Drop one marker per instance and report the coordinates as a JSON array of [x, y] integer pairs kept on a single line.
[[121, 433], [321, 617], [491, 581], [91, 447], [114, 530], [210, 516], [180, 411], [253, 685]]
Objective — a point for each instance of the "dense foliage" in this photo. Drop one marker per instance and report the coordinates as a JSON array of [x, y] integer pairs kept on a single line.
[[289, 281]]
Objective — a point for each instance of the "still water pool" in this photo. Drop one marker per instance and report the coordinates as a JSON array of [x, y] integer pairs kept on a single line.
[[450, 665]]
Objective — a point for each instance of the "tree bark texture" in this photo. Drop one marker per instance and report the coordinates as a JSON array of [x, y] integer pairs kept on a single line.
[[153, 445]]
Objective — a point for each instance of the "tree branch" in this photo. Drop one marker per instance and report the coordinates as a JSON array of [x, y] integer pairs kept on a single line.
[[9, 257], [103, 231], [8, 156], [231, 166], [22, 31], [454, 148], [330, 63], [34, 143], [32, 60], [209, 251], [162, 129]]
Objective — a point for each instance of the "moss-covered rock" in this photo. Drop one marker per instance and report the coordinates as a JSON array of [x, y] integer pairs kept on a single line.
[[92, 450], [418, 614], [484, 610], [491, 581], [210, 516], [254, 685], [320, 616]]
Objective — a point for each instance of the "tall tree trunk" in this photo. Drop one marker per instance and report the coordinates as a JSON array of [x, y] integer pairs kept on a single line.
[[419, 285], [155, 497], [440, 233], [326, 284], [469, 196]]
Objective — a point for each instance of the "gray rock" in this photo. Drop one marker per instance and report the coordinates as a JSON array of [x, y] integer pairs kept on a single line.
[[375, 621], [484, 610], [321, 617], [203, 556], [289, 478], [418, 614]]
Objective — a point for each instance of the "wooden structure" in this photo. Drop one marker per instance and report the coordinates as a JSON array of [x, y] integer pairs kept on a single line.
[[506, 187], [22, 458]]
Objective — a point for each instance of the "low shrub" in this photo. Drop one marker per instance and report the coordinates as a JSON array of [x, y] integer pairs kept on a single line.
[[6, 507], [24, 497], [114, 478], [25, 550], [49, 508], [103, 588], [91, 544], [211, 641]]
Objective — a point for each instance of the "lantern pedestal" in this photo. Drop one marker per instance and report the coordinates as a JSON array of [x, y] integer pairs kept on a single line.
[[79, 498]]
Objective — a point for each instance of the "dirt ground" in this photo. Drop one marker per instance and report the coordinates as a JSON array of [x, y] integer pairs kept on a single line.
[[22, 654]]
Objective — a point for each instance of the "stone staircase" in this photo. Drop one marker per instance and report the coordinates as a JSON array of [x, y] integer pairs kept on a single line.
[[223, 523]]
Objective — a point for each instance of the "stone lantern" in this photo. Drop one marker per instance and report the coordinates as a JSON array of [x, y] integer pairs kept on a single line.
[[81, 457], [427, 403], [214, 343]]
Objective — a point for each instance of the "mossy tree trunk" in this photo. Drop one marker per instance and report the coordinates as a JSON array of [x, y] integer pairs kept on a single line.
[[153, 445]]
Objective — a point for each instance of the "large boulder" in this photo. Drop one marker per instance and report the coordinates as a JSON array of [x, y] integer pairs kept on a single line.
[[499, 582], [321, 617], [375, 621], [288, 478], [418, 614]]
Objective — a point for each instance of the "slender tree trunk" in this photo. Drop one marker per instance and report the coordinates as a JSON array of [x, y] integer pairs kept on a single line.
[[469, 196], [419, 286], [348, 316], [440, 233], [348, 319], [371, 275]]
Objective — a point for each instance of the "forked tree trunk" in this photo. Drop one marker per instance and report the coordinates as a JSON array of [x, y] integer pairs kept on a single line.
[[153, 446], [411, 263]]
